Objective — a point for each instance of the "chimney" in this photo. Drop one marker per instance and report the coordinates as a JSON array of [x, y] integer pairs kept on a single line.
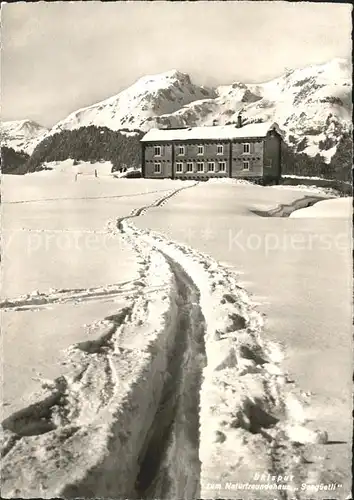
[[239, 120]]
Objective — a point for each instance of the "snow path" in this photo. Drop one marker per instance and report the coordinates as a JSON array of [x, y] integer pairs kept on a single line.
[[247, 403], [188, 355]]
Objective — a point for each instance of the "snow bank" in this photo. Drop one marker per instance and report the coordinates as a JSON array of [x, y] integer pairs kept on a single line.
[[341, 207]]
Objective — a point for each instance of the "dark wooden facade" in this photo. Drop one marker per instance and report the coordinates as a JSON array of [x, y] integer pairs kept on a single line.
[[253, 158]]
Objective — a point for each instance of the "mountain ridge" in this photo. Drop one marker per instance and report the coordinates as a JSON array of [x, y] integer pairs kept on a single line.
[[312, 105]]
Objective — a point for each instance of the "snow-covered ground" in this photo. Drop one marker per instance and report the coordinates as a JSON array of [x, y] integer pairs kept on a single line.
[[298, 271], [76, 168], [209, 324], [59, 264]]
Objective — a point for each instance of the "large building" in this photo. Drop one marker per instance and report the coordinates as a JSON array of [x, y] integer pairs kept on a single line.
[[252, 151]]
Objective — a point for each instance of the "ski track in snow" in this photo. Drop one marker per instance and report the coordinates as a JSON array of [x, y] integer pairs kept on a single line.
[[180, 383], [83, 198], [39, 300]]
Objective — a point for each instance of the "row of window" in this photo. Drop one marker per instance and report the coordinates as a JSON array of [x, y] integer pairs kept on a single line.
[[181, 150], [255, 158], [238, 159], [200, 167]]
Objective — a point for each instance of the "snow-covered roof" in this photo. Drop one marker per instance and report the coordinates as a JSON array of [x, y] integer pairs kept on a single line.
[[212, 133]]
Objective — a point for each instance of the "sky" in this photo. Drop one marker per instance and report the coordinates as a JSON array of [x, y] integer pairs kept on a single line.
[[58, 57]]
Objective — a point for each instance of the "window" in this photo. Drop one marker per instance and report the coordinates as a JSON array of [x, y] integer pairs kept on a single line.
[[157, 168], [246, 148], [179, 168], [222, 166], [189, 167], [220, 149], [200, 150], [211, 166], [157, 150], [246, 165], [181, 150], [200, 166]]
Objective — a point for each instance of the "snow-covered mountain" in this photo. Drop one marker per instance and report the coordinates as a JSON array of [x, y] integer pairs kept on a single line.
[[138, 105], [21, 135], [312, 105]]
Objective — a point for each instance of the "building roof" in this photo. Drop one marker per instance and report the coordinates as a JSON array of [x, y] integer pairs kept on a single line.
[[213, 133]]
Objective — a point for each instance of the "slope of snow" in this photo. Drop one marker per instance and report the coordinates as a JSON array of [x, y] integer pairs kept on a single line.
[[21, 135]]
